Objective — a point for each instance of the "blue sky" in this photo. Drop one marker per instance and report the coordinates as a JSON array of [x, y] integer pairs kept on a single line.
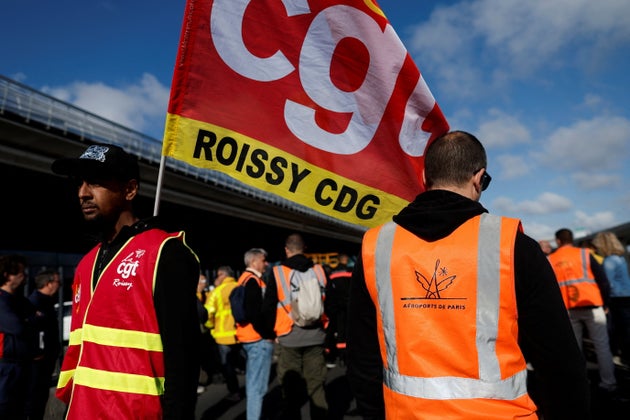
[[544, 84]]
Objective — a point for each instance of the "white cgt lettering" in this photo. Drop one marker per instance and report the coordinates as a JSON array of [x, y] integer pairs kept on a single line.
[[366, 104]]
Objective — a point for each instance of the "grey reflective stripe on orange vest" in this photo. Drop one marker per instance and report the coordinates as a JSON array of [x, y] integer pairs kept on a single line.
[[585, 278], [286, 288], [489, 384]]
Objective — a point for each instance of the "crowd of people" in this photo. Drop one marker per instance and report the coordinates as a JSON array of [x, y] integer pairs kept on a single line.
[[491, 325]]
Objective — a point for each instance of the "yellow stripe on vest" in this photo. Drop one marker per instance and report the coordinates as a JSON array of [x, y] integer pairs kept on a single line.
[[75, 337], [64, 378], [116, 381], [122, 338]]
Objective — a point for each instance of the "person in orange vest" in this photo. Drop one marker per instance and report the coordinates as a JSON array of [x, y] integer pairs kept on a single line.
[[448, 304], [585, 291], [301, 359], [256, 332], [134, 334]]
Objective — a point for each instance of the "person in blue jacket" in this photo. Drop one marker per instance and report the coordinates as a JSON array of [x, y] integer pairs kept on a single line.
[[18, 320]]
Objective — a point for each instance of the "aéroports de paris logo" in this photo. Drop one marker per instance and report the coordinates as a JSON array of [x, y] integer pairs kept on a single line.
[[434, 285]]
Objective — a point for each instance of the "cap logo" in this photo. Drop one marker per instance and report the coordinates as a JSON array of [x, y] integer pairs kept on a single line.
[[95, 153]]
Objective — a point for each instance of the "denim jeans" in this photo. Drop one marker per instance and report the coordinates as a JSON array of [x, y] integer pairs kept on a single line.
[[229, 356], [595, 321], [257, 370]]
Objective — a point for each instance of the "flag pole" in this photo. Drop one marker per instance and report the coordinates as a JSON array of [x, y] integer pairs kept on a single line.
[[158, 186]]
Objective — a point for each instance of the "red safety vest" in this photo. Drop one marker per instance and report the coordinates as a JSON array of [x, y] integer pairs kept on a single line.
[[572, 266], [447, 321], [114, 366]]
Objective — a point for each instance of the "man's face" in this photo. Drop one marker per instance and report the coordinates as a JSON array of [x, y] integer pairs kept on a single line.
[[203, 282], [15, 280], [55, 283], [219, 278], [260, 263], [102, 200]]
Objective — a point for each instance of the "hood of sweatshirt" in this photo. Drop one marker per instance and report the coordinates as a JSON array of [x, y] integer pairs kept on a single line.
[[436, 214]]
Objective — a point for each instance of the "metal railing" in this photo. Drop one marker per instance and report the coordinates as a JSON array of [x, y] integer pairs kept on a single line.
[[34, 106]]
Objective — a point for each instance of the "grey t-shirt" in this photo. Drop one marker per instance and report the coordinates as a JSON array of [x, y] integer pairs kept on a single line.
[[303, 337]]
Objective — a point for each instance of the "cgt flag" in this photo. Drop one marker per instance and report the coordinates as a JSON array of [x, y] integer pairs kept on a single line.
[[317, 101]]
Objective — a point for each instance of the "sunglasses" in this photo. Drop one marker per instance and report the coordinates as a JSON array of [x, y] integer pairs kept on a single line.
[[485, 179]]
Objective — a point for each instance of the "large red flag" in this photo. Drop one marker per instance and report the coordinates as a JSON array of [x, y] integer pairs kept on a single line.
[[317, 101]]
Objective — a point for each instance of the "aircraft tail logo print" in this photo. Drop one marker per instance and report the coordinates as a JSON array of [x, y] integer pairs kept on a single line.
[[435, 285]]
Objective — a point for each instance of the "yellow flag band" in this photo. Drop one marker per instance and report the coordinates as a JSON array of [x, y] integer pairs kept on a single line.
[[262, 166]]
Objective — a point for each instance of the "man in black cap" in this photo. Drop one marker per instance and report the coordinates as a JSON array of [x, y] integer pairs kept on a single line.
[[134, 335]]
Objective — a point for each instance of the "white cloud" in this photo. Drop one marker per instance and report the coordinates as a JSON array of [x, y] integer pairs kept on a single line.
[[517, 38], [594, 222], [545, 203], [19, 77], [592, 101], [502, 130], [590, 181], [538, 231], [512, 166], [140, 106], [589, 145]]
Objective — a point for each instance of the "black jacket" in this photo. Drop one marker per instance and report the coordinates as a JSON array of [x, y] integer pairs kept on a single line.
[[49, 345], [260, 309], [546, 336]]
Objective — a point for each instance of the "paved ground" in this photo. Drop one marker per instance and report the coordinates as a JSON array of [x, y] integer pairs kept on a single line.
[[212, 404]]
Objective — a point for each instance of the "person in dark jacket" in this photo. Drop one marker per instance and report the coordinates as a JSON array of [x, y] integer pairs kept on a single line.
[[43, 298], [301, 359], [336, 304], [257, 333], [546, 339], [18, 323], [133, 294]]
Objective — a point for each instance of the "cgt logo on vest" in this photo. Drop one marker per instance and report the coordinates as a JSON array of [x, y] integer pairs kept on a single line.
[[433, 286], [127, 268]]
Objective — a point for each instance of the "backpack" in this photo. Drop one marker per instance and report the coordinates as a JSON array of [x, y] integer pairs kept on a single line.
[[237, 304], [307, 297]]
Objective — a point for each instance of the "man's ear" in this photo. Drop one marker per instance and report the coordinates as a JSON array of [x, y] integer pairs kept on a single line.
[[131, 189], [424, 180], [477, 180]]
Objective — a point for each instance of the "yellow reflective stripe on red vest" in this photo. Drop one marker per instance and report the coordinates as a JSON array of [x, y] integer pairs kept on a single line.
[[64, 377], [75, 337], [122, 338], [489, 384], [116, 381]]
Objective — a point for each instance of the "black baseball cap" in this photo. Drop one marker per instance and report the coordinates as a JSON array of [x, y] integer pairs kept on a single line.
[[100, 161]]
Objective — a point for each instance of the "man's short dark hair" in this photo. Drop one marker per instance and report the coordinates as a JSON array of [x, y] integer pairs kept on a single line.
[[11, 264], [453, 158], [295, 243], [44, 277], [564, 236]]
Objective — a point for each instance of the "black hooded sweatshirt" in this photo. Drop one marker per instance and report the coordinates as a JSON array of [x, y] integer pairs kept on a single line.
[[545, 334]]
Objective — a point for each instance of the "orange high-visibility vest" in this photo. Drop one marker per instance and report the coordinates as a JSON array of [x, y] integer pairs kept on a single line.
[[572, 266], [247, 333], [447, 321], [114, 365], [282, 274]]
